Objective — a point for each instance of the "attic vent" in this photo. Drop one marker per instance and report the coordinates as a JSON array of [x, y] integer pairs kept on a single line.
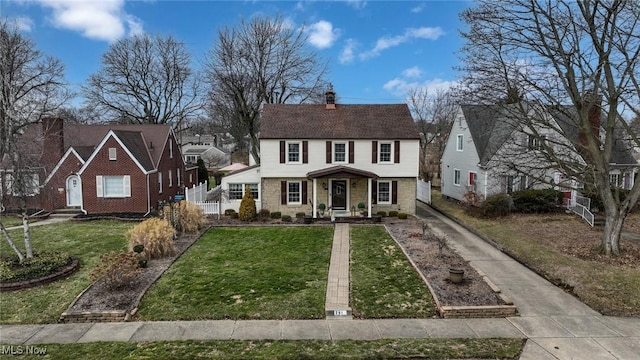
[[112, 154]]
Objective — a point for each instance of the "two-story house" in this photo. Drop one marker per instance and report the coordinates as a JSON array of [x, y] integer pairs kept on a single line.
[[105, 168], [336, 154], [489, 153]]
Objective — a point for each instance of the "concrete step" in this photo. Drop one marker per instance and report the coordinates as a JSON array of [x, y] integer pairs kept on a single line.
[[598, 221]]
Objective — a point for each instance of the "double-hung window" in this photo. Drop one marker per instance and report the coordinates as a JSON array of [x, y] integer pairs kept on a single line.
[[384, 192], [456, 177], [294, 192], [113, 186], [339, 152], [293, 153], [237, 191], [385, 152], [460, 142]]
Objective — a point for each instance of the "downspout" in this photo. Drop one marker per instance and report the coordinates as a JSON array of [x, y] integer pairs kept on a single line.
[[486, 177], [369, 196], [148, 198], [81, 197]]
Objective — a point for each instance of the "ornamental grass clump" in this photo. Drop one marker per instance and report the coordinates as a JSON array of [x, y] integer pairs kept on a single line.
[[156, 235], [190, 217], [247, 210], [117, 269]]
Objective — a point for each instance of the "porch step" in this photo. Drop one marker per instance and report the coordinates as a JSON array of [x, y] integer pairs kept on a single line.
[[71, 211], [598, 221]]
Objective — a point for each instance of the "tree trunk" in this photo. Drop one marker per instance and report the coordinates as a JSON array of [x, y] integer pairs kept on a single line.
[[11, 243], [27, 235], [611, 235]]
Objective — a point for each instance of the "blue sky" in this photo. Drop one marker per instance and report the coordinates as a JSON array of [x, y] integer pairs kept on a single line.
[[375, 49]]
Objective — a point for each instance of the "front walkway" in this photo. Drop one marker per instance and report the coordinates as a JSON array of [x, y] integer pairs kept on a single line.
[[337, 300]]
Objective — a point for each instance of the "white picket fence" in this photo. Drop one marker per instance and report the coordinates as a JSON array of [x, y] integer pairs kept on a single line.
[[423, 192], [198, 196]]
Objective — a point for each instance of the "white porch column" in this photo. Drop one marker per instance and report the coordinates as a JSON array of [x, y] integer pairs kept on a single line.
[[315, 198], [369, 196]]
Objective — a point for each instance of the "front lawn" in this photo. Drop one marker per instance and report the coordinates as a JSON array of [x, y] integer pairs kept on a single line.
[[86, 240], [246, 273], [292, 349], [564, 248], [383, 282]]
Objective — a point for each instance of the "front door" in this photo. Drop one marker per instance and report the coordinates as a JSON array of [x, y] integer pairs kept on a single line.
[[339, 194], [74, 193]]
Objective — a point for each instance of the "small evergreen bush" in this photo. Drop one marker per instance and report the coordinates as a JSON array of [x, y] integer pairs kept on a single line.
[[300, 215], [286, 218], [38, 266], [537, 201], [402, 215], [382, 213], [276, 215], [264, 214], [156, 235], [496, 206], [247, 210], [393, 213], [229, 212]]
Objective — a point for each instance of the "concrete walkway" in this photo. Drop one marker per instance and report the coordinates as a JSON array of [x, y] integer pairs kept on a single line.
[[337, 299], [557, 325], [52, 219]]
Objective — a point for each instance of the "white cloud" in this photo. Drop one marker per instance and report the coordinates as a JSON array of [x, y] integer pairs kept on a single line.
[[322, 34], [412, 72], [23, 23], [417, 9], [99, 20], [386, 42], [401, 86], [348, 51], [357, 4]]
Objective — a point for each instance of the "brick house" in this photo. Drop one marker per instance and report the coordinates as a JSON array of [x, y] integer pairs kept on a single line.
[[105, 168], [339, 155]]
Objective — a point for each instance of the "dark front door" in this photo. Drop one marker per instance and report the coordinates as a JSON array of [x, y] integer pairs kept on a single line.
[[339, 194]]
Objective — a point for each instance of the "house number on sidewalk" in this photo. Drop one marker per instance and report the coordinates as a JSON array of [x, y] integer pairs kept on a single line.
[[339, 312]]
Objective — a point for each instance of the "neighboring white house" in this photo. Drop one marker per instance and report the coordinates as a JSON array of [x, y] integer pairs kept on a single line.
[[482, 136], [336, 154], [236, 183], [203, 147]]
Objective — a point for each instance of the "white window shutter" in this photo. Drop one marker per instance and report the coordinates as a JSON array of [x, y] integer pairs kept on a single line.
[[99, 192], [127, 185]]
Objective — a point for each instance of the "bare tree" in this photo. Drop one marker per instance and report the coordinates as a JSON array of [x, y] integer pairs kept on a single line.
[[33, 86], [565, 71], [433, 116], [145, 79], [259, 61]]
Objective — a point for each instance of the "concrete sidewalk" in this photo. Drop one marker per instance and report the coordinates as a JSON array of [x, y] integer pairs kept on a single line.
[[557, 325], [52, 219]]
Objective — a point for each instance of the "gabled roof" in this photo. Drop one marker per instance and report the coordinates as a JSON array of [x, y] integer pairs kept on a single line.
[[341, 171], [130, 142], [346, 121], [89, 136], [489, 128]]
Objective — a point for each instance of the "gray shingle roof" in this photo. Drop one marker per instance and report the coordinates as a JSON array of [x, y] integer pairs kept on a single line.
[[346, 121], [489, 128]]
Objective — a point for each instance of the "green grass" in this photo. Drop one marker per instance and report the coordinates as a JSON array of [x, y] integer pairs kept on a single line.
[[85, 240], [10, 221], [290, 349], [383, 282], [246, 273], [608, 289]]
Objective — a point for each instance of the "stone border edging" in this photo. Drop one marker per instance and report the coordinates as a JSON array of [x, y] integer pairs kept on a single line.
[[66, 271], [453, 312], [117, 315]]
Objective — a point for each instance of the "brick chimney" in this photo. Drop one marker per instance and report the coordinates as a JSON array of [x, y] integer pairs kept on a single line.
[[592, 104], [331, 98], [52, 141]]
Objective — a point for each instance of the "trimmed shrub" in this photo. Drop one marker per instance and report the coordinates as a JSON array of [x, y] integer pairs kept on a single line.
[[300, 215], [496, 206], [156, 235], [286, 218], [229, 212], [393, 213], [402, 215], [276, 215], [117, 269], [190, 217], [537, 201], [247, 210], [264, 214], [382, 213]]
